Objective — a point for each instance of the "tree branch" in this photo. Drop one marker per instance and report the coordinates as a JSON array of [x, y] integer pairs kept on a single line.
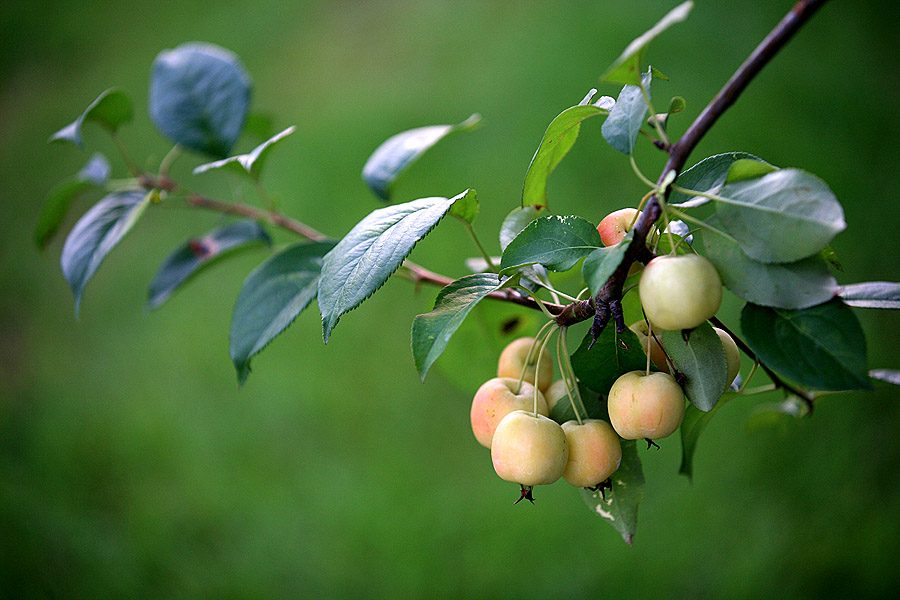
[[611, 291], [416, 273], [776, 379]]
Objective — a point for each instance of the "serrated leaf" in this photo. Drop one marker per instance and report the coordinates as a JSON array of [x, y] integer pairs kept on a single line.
[[794, 285], [706, 176], [822, 347], [693, 424], [247, 164], [432, 331], [517, 220], [557, 242], [621, 127], [199, 97], [272, 296], [602, 262], [872, 294], [59, 200], [627, 68], [372, 251], [620, 505], [196, 253], [96, 234], [781, 217], [612, 355], [558, 139], [396, 154], [702, 361], [888, 375], [110, 110]]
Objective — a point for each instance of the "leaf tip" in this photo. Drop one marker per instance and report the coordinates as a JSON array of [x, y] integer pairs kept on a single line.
[[243, 371]]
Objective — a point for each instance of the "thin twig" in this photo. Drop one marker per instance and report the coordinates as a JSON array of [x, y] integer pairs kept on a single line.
[[776, 379]]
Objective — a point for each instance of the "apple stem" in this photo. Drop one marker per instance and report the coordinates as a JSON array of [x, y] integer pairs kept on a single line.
[[568, 375], [532, 358], [537, 371]]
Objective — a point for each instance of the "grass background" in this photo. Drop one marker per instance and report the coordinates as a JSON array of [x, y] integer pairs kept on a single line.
[[132, 466]]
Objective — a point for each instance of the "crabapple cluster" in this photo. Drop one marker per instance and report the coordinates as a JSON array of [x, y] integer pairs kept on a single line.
[[510, 415], [677, 292], [511, 412]]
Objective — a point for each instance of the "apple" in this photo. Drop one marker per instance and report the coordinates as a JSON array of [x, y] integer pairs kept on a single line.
[[594, 452], [657, 354], [529, 450], [512, 363], [495, 399], [680, 292], [645, 406], [615, 225], [732, 356]]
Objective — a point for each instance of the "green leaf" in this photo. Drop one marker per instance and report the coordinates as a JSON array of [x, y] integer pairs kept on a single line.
[[557, 242], [794, 285], [372, 251], [96, 234], [706, 176], [466, 208], [594, 404], [676, 105], [693, 424], [272, 296], [624, 122], [196, 253], [247, 164], [517, 220], [602, 262], [432, 331], [781, 217], [822, 347], [486, 331], [110, 110], [199, 97], [396, 154], [888, 375], [612, 355], [59, 200], [558, 139], [776, 415], [702, 360], [620, 507], [872, 294], [748, 168], [627, 68]]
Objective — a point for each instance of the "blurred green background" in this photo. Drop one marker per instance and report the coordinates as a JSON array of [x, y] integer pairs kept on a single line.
[[131, 465]]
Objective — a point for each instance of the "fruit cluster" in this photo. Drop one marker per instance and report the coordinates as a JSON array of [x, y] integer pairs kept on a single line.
[[511, 413], [510, 416]]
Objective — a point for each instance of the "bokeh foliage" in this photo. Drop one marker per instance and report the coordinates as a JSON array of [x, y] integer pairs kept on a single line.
[[130, 463]]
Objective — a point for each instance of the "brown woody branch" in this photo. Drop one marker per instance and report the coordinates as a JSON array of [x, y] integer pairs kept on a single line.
[[611, 293], [417, 273]]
